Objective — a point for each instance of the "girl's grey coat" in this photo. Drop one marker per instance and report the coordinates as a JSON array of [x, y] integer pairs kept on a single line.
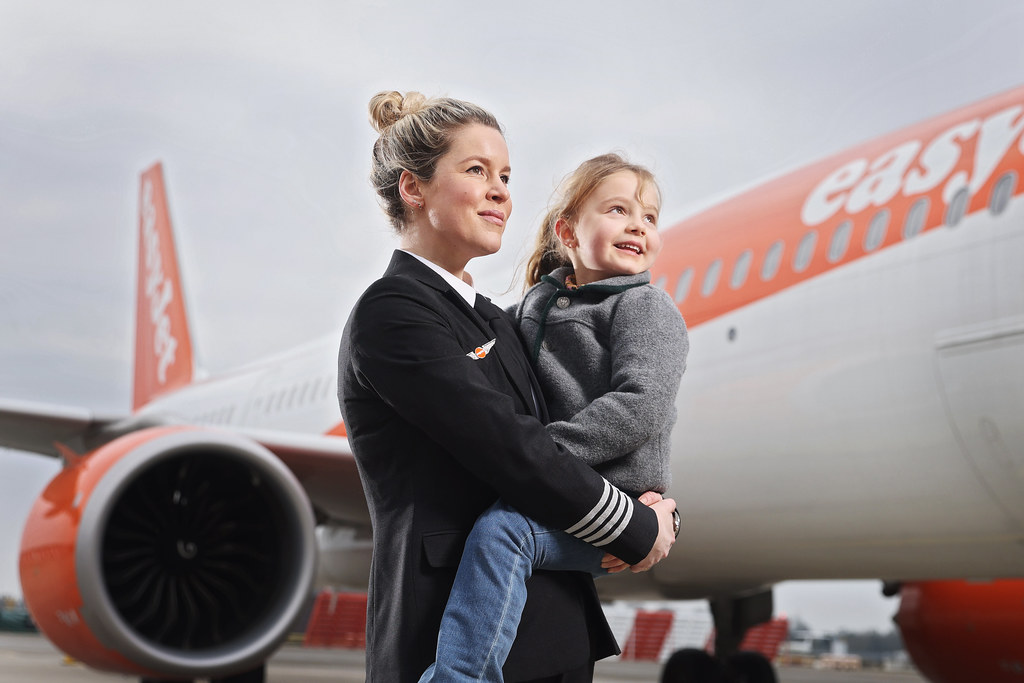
[[609, 357]]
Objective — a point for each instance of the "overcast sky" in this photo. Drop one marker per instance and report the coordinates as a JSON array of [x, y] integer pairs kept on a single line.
[[258, 112]]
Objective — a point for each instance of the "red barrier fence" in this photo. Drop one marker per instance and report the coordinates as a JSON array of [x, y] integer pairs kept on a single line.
[[338, 620]]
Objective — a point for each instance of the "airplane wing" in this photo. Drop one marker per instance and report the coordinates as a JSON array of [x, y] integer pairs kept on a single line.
[[39, 427], [323, 464]]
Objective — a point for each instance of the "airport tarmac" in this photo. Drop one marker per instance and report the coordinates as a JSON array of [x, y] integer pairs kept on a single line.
[[30, 658]]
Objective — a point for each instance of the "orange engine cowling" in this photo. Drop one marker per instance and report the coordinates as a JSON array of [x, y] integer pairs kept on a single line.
[[170, 551], [964, 632]]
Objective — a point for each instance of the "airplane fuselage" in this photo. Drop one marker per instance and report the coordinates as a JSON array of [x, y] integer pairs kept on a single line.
[[864, 424], [823, 432]]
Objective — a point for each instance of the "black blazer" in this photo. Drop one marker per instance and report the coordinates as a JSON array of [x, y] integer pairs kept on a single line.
[[439, 433]]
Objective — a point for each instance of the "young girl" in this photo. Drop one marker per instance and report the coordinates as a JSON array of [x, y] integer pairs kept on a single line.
[[609, 350]]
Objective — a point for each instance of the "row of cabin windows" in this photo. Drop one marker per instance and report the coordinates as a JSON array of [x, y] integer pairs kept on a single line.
[[296, 396], [840, 242], [319, 389], [220, 416]]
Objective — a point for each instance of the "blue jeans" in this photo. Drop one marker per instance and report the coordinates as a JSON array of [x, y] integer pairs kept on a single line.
[[487, 599]]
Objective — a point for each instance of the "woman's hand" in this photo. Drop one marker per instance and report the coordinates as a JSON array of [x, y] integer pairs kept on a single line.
[[614, 565], [666, 536]]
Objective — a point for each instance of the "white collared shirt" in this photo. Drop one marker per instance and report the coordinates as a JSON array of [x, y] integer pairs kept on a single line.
[[464, 289]]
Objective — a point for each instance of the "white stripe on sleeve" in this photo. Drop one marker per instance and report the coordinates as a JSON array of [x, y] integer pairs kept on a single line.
[[607, 520]]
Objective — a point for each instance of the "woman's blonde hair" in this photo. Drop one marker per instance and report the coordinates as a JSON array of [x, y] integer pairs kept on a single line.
[[415, 132], [573, 191]]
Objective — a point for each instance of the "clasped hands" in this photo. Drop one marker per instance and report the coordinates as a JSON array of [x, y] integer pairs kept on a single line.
[[665, 509]]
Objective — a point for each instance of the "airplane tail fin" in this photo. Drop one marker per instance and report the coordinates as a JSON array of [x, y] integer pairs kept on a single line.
[[163, 344]]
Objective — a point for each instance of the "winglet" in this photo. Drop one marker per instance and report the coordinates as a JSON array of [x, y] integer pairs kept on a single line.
[[163, 346]]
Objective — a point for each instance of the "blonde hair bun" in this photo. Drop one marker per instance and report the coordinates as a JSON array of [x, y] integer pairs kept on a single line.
[[387, 107]]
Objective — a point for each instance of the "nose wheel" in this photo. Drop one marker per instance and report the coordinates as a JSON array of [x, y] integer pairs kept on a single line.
[[257, 675]]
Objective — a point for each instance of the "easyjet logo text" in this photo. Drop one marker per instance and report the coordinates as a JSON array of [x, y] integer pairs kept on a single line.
[[159, 289], [916, 168]]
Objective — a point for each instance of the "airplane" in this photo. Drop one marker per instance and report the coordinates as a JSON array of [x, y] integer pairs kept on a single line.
[[850, 410]]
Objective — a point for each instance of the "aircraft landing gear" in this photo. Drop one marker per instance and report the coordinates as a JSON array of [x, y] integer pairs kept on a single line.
[[733, 615], [697, 666], [257, 675], [694, 666], [750, 667]]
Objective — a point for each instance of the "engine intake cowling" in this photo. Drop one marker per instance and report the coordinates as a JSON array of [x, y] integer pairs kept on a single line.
[[964, 631], [171, 551]]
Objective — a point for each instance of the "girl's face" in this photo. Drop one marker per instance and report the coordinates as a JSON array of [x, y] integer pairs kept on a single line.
[[616, 231], [466, 205]]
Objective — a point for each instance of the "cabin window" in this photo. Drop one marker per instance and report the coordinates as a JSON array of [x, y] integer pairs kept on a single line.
[[683, 285], [840, 241], [711, 278], [1002, 193], [660, 282], [772, 260], [330, 387], [957, 208], [805, 251], [740, 270], [916, 217], [876, 230]]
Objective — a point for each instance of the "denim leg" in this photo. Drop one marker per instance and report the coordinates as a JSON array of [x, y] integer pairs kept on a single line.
[[489, 593]]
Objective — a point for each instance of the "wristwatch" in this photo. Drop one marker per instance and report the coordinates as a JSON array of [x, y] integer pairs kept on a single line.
[[675, 523]]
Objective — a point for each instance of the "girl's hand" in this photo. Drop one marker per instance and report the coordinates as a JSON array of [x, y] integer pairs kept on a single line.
[[613, 564], [649, 498]]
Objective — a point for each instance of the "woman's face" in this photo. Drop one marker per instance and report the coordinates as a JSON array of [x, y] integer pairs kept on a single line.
[[616, 232], [467, 203]]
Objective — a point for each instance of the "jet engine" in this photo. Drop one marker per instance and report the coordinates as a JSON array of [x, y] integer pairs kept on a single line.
[[170, 551], [964, 631]]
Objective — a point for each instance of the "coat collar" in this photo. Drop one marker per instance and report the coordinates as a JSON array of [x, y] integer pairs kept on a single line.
[[408, 266], [488, 318]]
